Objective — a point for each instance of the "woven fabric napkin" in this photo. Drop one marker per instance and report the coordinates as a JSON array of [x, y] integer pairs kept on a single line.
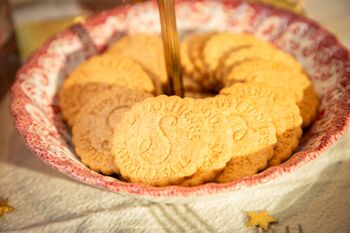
[[315, 198]]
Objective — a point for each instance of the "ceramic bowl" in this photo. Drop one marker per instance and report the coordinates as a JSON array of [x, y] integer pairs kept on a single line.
[[34, 99]]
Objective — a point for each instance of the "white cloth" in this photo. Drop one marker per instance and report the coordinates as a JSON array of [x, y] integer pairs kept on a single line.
[[315, 198]]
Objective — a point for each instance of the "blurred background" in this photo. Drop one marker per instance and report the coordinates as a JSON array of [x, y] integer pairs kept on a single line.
[[26, 24], [37, 19]]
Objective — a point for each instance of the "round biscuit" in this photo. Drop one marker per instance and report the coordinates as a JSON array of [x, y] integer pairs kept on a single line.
[[254, 137], [187, 65], [266, 52], [190, 85], [147, 51], [278, 75], [219, 139], [252, 128], [284, 113], [308, 106], [159, 141], [97, 74], [198, 95], [196, 56], [287, 121], [93, 129], [261, 90], [239, 167], [219, 44]]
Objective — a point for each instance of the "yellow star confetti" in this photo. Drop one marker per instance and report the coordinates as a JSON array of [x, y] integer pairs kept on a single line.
[[5, 207], [261, 219]]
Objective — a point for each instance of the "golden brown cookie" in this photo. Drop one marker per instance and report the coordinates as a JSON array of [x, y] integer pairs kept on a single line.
[[239, 167], [187, 64], [219, 139], [159, 141], [288, 125], [190, 85], [272, 94], [254, 137], [308, 106], [266, 52], [287, 121], [196, 56], [198, 95], [191, 58], [147, 51], [97, 74], [93, 129], [283, 111], [279, 75], [196, 53], [252, 127], [219, 44], [73, 97]]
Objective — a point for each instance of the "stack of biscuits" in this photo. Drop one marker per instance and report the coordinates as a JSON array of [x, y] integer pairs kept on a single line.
[[245, 106]]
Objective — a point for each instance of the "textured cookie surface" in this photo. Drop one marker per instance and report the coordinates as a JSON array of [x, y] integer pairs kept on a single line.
[[192, 59], [196, 53], [254, 137], [219, 141], [160, 142], [284, 113], [93, 130], [97, 74], [147, 51], [196, 56], [266, 52], [239, 167], [288, 122], [308, 106], [190, 85], [279, 75], [253, 129], [187, 64], [261, 90], [198, 95], [220, 44]]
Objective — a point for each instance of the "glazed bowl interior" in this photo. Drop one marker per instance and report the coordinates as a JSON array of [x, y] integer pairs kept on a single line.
[[34, 99]]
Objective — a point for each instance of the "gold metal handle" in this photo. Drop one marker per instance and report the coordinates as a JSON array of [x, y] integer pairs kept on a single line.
[[171, 47]]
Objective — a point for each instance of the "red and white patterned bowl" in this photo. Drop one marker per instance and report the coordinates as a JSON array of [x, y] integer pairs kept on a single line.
[[34, 102]]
